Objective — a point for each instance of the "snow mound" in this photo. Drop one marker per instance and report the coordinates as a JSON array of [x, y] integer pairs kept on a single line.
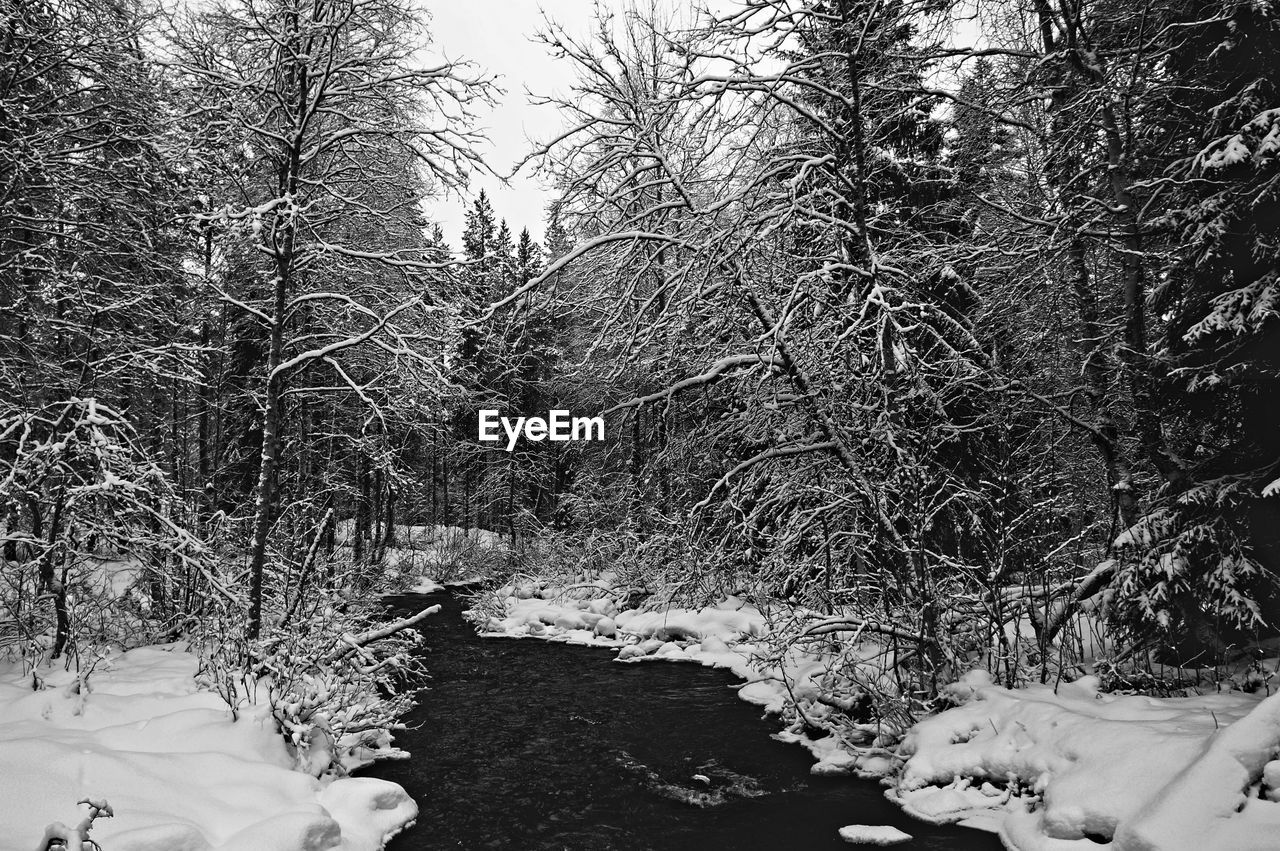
[[1074, 768], [181, 771], [873, 834], [370, 811]]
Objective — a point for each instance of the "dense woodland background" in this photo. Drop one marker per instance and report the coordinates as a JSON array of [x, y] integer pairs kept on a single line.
[[957, 318]]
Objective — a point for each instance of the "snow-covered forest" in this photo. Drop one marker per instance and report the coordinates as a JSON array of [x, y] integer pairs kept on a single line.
[[936, 344]]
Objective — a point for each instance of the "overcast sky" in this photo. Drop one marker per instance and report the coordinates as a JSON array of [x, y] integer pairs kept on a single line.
[[499, 36]]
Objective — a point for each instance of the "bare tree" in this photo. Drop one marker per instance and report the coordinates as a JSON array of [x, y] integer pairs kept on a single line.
[[324, 110]]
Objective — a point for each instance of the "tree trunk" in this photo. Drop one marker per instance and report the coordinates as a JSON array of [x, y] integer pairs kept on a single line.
[[389, 515], [264, 504], [282, 243], [1098, 384], [51, 582]]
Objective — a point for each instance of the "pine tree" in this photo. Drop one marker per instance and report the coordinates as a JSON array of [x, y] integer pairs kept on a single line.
[[480, 231], [1203, 563]]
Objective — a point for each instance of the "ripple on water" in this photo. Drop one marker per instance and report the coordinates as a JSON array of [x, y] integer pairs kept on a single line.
[[533, 745]]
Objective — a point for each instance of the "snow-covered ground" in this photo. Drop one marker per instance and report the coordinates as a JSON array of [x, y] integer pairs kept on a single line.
[[431, 550], [180, 770], [1072, 768], [1048, 769]]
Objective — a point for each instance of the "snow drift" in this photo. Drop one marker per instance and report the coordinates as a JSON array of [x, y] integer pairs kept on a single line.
[[181, 771], [1048, 769], [1074, 768]]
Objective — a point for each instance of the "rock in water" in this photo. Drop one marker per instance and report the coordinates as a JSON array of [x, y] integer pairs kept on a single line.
[[873, 834]]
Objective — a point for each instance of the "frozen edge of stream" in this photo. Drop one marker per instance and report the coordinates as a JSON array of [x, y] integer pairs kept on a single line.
[[1047, 769]]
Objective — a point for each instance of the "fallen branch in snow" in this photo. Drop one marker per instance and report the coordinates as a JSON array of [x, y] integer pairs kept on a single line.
[[58, 835], [1214, 802], [356, 642], [1096, 580], [851, 624]]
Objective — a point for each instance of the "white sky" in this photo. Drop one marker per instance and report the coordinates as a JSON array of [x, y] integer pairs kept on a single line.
[[499, 36]]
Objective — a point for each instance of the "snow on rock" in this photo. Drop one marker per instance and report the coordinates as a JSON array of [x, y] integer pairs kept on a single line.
[[873, 834], [1069, 769], [832, 756], [179, 769], [371, 811], [588, 613]]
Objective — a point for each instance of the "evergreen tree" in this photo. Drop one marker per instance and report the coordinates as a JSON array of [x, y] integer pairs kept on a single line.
[[93, 335], [1204, 561]]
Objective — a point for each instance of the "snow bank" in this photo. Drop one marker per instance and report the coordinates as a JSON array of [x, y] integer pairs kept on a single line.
[[1049, 770], [180, 771], [1075, 768], [732, 633], [589, 613]]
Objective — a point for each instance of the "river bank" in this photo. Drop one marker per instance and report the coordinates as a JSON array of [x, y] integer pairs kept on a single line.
[[1046, 767], [179, 768], [519, 744]]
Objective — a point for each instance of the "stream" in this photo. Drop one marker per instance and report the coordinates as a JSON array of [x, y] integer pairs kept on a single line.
[[525, 744]]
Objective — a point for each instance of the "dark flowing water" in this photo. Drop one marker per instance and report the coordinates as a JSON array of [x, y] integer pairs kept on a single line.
[[534, 745]]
